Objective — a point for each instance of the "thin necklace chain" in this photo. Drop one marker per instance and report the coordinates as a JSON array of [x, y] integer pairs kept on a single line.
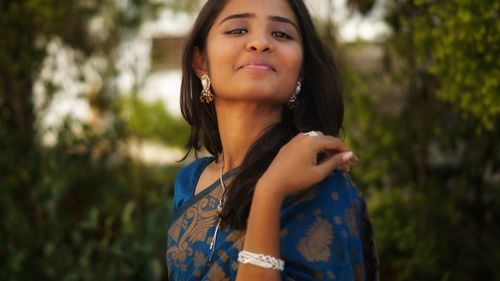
[[219, 209], [221, 200]]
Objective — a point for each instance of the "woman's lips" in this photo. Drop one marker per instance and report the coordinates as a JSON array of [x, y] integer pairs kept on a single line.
[[258, 67]]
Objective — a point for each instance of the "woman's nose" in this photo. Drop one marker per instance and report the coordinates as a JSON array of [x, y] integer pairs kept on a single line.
[[259, 42]]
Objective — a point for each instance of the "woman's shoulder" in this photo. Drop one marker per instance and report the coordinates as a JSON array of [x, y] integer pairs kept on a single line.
[[336, 191], [326, 232], [186, 178], [193, 169], [339, 182]]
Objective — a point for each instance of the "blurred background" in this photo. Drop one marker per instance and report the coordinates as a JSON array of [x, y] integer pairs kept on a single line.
[[90, 132]]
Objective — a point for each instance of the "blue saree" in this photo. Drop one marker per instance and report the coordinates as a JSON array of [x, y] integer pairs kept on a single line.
[[326, 234]]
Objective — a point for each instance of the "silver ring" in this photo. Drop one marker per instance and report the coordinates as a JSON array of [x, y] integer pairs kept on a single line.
[[311, 133]]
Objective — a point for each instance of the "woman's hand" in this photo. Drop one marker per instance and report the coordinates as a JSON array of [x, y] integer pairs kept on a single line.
[[295, 167]]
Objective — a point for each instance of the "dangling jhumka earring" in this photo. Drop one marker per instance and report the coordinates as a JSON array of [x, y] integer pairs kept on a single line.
[[206, 93], [292, 103]]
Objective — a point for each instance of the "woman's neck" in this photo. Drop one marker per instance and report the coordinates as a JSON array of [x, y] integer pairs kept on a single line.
[[240, 125]]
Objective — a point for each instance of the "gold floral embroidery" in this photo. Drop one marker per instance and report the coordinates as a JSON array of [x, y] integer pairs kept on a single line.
[[337, 220], [175, 233], [348, 180], [300, 216], [224, 257], [183, 267], [199, 258], [315, 245], [192, 226], [201, 220], [239, 243], [350, 220], [335, 196], [304, 196], [234, 266], [217, 274], [179, 255], [319, 275], [235, 235]]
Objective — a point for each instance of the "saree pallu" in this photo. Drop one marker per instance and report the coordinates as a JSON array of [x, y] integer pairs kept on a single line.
[[326, 233]]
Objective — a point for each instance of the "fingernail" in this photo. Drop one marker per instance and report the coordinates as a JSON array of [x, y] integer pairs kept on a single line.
[[347, 156]]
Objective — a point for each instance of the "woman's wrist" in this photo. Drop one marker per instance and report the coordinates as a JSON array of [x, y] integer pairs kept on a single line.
[[268, 190], [262, 233]]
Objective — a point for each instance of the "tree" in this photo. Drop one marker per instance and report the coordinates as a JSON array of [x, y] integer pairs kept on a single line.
[[67, 211], [426, 126]]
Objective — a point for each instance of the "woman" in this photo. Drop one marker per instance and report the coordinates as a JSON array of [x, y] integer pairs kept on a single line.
[[274, 203]]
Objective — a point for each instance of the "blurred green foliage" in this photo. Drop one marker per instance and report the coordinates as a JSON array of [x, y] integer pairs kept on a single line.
[[458, 42], [151, 121], [79, 208], [425, 125], [91, 215]]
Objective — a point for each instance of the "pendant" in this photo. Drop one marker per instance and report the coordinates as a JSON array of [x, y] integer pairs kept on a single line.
[[219, 207], [214, 240]]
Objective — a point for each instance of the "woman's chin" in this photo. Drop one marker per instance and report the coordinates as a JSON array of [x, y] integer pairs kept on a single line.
[[255, 97]]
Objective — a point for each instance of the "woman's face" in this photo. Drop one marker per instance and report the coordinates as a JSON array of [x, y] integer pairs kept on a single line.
[[254, 52]]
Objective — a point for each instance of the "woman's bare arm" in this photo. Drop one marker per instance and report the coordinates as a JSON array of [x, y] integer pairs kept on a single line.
[[292, 170], [262, 234]]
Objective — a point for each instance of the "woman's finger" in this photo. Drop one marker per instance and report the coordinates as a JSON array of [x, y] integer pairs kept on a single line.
[[338, 160], [328, 143]]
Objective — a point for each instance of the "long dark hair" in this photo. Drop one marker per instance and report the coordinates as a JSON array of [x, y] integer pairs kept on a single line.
[[320, 107]]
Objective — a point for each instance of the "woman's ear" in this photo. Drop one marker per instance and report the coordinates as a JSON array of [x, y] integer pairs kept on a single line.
[[199, 63]]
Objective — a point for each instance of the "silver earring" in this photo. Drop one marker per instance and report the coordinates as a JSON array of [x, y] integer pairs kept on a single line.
[[292, 103], [206, 93]]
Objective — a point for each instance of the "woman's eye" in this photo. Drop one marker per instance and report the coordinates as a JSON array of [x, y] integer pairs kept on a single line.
[[237, 31], [281, 34]]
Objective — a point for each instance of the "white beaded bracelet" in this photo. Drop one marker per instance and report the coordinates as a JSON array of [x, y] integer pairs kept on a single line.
[[261, 260]]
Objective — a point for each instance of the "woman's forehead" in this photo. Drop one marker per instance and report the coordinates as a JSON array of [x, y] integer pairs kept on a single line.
[[257, 8]]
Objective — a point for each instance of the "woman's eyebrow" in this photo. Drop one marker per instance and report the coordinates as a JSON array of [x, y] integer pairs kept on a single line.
[[250, 15], [238, 16], [284, 20]]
